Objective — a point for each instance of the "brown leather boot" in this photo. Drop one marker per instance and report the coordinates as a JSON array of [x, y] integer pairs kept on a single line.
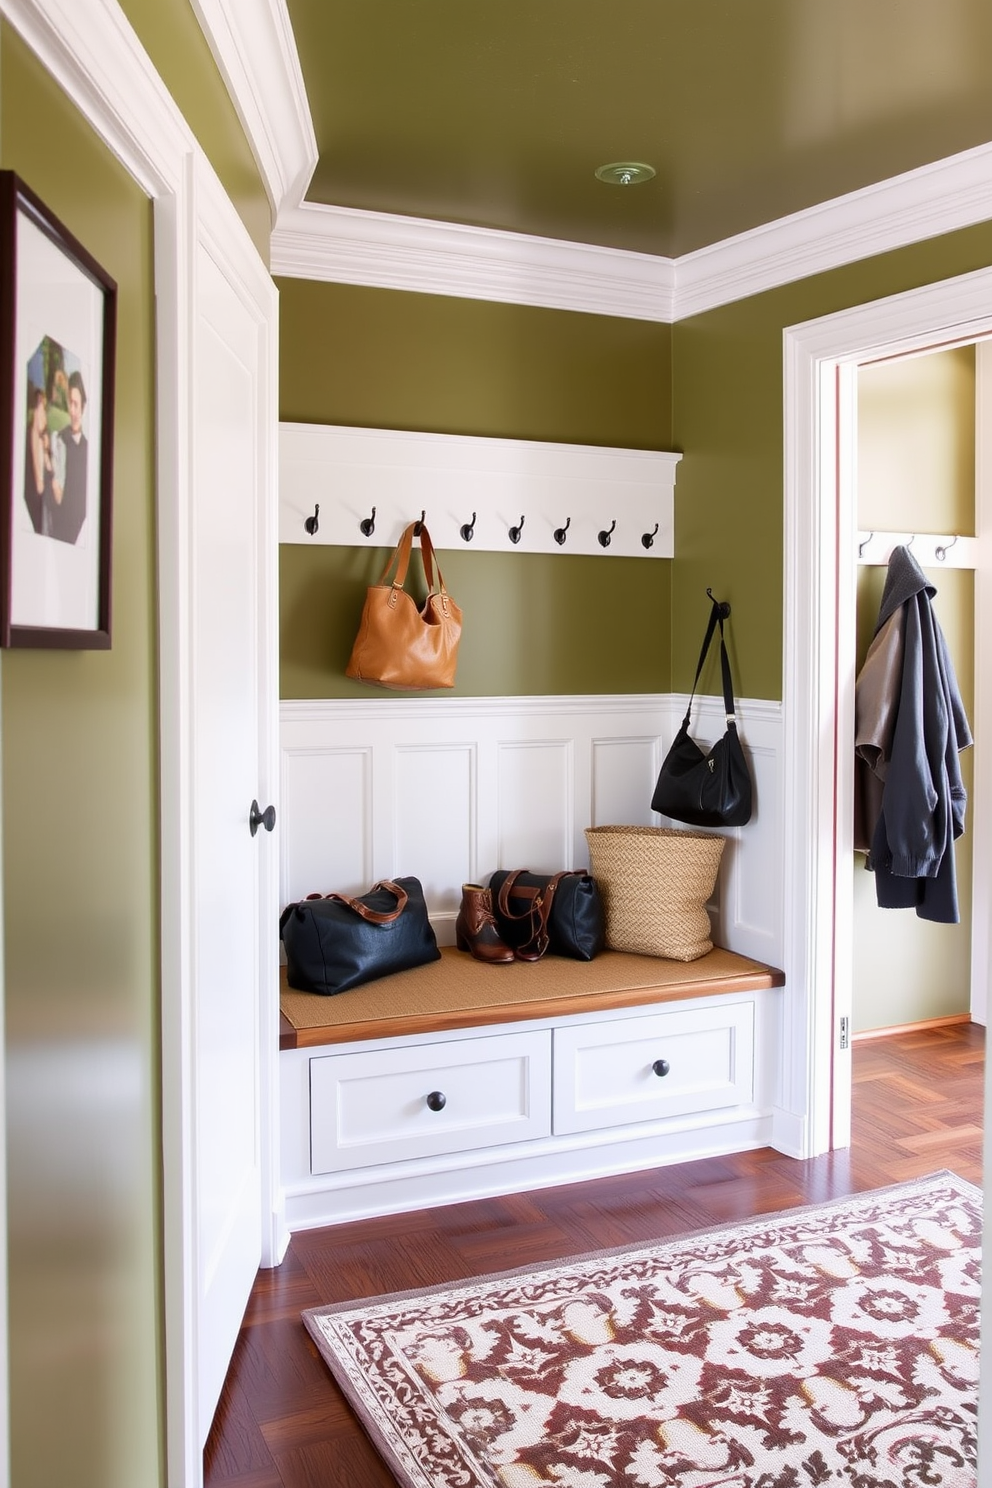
[[475, 928]]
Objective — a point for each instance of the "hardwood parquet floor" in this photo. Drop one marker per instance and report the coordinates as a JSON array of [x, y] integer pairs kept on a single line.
[[281, 1421]]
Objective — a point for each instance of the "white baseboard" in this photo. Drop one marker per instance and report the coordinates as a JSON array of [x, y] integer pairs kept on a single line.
[[402, 1187]]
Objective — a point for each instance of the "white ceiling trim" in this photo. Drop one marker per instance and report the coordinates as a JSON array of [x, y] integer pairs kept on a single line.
[[253, 45], [255, 49], [935, 199], [346, 246]]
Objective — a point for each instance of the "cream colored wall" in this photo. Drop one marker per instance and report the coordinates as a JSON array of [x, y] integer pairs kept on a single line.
[[916, 473]]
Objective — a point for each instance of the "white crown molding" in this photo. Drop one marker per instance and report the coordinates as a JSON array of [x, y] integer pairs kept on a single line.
[[346, 246], [256, 51], [94, 55], [253, 45], [342, 245], [98, 59], [938, 198]]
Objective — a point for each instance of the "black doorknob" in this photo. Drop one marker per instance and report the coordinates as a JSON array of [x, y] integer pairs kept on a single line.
[[661, 1066], [437, 1100], [257, 818]]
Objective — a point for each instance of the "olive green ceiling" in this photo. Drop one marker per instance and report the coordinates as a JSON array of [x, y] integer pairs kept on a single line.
[[497, 112]]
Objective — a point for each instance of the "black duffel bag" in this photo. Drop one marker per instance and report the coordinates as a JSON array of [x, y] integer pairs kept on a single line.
[[334, 943], [561, 913]]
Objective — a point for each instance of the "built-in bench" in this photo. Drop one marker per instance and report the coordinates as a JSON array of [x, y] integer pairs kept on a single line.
[[459, 1079], [460, 992]]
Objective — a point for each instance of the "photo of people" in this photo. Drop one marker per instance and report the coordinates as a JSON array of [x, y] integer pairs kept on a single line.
[[55, 464]]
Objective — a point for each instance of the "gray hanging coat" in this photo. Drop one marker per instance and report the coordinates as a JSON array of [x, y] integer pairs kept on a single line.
[[910, 729]]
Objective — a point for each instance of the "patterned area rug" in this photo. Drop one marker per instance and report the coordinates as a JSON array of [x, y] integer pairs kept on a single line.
[[835, 1345]]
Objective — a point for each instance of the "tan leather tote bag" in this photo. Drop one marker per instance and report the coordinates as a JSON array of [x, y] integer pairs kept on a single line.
[[398, 645]]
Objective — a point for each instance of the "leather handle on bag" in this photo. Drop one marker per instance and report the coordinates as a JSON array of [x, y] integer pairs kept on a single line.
[[401, 557], [374, 916], [431, 565], [539, 911], [716, 618]]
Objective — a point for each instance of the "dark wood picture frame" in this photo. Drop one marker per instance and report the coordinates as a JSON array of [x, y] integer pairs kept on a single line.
[[58, 324]]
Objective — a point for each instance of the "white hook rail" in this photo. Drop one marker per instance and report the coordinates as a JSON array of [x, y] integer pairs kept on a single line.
[[509, 495], [930, 549]]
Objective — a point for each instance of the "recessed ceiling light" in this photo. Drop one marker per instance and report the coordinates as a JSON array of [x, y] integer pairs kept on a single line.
[[625, 173]]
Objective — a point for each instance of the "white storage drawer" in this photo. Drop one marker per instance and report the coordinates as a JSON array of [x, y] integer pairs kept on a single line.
[[621, 1071], [372, 1107]]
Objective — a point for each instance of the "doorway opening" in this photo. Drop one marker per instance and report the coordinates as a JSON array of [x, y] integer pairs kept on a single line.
[[821, 375]]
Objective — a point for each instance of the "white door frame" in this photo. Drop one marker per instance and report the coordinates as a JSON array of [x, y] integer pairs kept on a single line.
[[820, 371], [821, 359]]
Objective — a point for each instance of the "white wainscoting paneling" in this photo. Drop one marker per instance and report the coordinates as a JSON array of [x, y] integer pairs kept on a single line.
[[450, 789]]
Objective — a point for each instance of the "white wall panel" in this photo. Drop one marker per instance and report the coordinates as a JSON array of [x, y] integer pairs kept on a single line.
[[534, 786], [450, 789], [325, 821], [624, 772], [434, 820]]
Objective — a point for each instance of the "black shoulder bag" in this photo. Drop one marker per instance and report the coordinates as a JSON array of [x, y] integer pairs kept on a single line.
[[707, 790]]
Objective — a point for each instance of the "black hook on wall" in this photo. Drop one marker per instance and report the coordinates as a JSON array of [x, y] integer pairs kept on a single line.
[[468, 529], [367, 524], [516, 531], [604, 536], [311, 524], [418, 527], [647, 541], [722, 607], [559, 533]]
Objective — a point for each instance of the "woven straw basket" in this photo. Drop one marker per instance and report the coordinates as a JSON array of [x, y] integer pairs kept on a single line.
[[655, 883]]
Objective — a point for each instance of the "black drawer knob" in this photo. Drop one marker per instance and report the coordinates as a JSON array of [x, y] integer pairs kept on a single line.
[[437, 1100], [661, 1066]]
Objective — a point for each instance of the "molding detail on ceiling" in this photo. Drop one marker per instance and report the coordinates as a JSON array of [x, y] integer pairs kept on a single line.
[[342, 245], [256, 51], [939, 198], [347, 246], [253, 45]]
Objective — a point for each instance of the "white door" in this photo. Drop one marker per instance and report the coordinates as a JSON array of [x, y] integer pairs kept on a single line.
[[226, 775], [219, 755]]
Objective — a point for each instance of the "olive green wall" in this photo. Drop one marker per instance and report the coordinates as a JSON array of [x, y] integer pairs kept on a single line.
[[728, 418], [171, 35], [78, 745], [916, 473], [533, 624]]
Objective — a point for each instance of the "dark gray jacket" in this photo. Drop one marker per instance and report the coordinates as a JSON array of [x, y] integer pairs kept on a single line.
[[923, 799]]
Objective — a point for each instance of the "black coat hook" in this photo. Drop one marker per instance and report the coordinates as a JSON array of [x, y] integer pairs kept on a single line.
[[516, 531], [604, 537], [367, 524], [647, 540], [418, 526], [559, 533], [311, 524], [722, 607], [468, 529]]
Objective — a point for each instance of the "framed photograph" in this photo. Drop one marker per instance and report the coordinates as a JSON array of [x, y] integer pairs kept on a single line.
[[58, 321]]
